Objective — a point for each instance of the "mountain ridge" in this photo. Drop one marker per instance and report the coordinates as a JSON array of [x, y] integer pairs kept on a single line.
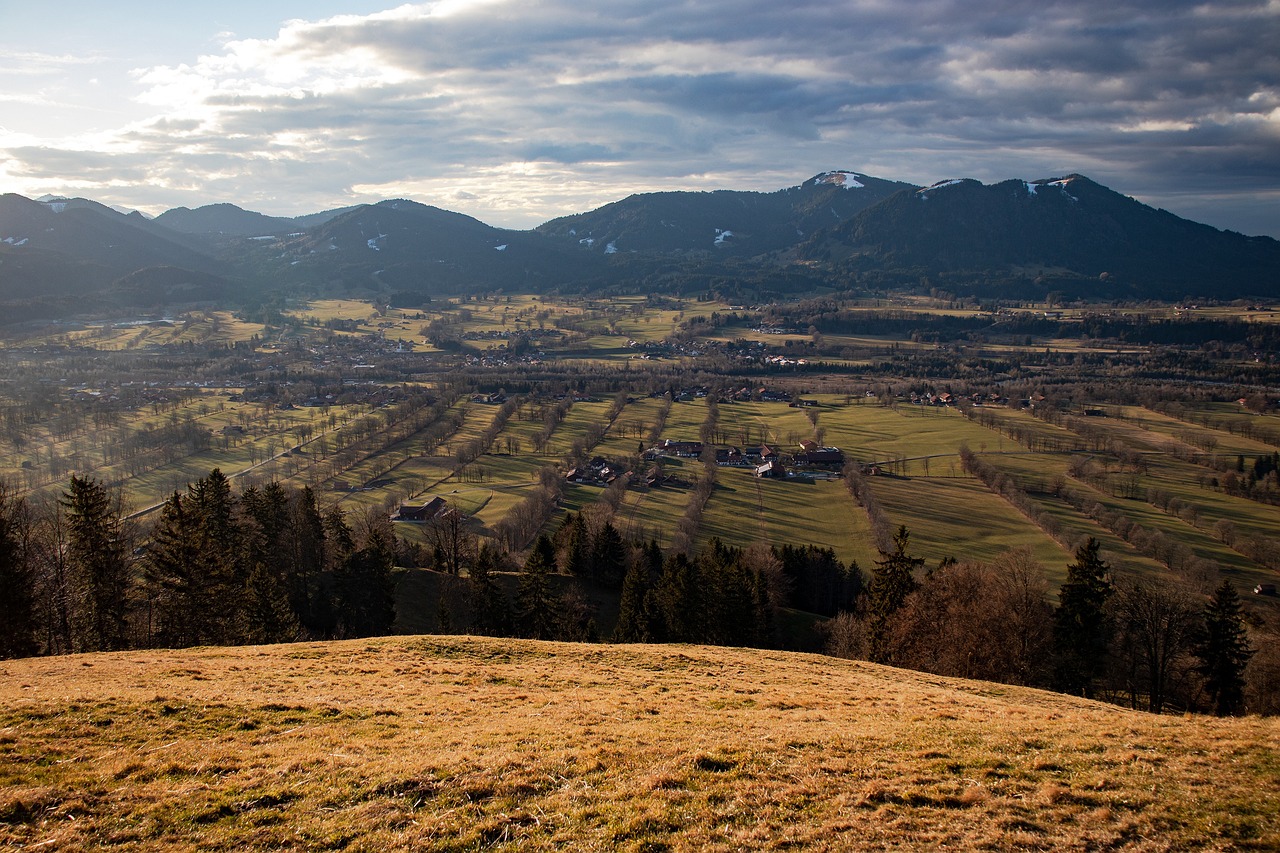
[[835, 230]]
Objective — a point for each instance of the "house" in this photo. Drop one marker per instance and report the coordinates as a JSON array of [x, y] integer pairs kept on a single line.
[[686, 449], [808, 446], [426, 512], [772, 468], [826, 456], [728, 456]]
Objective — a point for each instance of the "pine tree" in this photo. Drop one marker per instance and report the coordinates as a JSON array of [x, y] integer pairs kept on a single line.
[[1224, 651], [1081, 628], [491, 616], [222, 562], [608, 556], [178, 589], [891, 582], [98, 566], [365, 589], [17, 580], [679, 601], [537, 607], [306, 541], [576, 543], [633, 609]]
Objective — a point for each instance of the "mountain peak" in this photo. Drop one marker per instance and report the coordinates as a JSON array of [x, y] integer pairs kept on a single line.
[[840, 178]]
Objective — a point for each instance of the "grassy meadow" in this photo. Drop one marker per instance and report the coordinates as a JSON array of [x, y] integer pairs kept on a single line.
[[434, 743]]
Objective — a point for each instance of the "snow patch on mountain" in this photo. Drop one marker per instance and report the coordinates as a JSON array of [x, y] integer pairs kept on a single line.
[[721, 236], [15, 241], [924, 193], [374, 243], [848, 180], [501, 248], [587, 241], [611, 249], [1062, 186]]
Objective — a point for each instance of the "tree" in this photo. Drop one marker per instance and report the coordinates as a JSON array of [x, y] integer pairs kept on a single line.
[[633, 625], [362, 579], [679, 601], [98, 567], [178, 591], [1081, 628], [1224, 651], [891, 582], [453, 545], [490, 613], [17, 579], [306, 541], [537, 607], [1156, 628], [608, 556]]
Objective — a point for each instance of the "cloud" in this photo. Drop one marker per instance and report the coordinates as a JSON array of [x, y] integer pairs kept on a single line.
[[518, 111]]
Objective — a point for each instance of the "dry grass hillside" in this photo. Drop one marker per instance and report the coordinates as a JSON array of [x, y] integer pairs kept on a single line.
[[434, 743]]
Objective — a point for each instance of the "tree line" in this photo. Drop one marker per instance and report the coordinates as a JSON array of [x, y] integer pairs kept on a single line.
[[1153, 646], [217, 567], [265, 565]]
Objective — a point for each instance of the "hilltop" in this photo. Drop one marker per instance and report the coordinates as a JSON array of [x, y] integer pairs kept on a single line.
[[454, 742]]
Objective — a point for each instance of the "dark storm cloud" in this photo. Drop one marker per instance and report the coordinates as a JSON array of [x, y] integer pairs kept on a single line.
[[1153, 98]]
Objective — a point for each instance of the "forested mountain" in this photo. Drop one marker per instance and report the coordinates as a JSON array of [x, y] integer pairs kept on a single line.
[[226, 220], [1067, 226], [836, 230], [724, 222]]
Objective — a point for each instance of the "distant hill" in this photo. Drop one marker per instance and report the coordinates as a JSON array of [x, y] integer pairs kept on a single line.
[[66, 255], [224, 220], [724, 222], [401, 743], [1062, 227], [413, 248]]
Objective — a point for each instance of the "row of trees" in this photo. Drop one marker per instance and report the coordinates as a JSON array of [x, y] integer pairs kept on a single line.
[[1144, 644], [217, 567]]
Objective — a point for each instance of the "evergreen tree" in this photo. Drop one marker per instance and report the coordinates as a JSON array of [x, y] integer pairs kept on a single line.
[[891, 582], [633, 609], [608, 556], [267, 615], [306, 541], [17, 580], [363, 580], [575, 541], [98, 567], [222, 561], [1224, 651], [491, 615], [679, 601], [180, 592], [537, 607], [1081, 627]]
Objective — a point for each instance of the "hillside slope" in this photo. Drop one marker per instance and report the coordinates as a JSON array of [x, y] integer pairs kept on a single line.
[[450, 743]]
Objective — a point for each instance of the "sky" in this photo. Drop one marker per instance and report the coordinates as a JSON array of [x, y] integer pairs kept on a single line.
[[517, 111]]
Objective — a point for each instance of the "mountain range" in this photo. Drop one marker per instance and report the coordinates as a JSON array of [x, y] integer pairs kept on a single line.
[[836, 230]]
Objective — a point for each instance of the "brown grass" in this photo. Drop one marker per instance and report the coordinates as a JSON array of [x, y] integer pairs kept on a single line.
[[459, 743]]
